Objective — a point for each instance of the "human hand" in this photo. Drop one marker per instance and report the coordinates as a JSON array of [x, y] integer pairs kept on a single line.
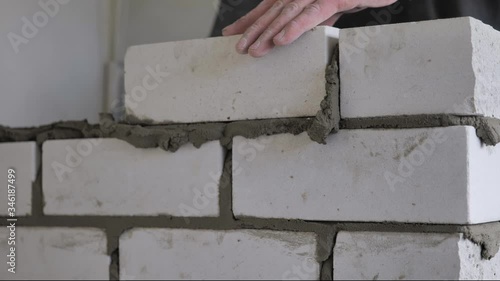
[[280, 22]]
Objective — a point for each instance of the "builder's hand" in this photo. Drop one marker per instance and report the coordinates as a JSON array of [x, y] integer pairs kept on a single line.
[[280, 22]]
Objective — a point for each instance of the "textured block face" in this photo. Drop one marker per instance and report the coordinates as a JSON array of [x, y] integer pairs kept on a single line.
[[486, 66], [410, 256], [417, 176], [56, 253], [207, 80], [473, 267], [111, 177], [22, 157], [433, 67], [234, 255]]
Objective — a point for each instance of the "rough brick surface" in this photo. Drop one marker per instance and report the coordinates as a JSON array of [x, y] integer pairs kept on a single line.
[[440, 175], [204, 254], [410, 256], [433, 67], [111, 177], [208, 81], [23, 158], [56, 253], [428, 180]]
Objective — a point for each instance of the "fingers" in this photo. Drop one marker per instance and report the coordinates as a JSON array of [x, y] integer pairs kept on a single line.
[[264, 44], [280, 22], [258, 27], [311, 16], [246, 21]]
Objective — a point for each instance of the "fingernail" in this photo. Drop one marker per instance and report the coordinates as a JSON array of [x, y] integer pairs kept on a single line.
[[255, 45], [224, 31], [280, 36], [242, 44]]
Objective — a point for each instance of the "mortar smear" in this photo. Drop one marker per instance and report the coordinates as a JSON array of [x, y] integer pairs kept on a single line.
[[487, 236], [327, 120], [167, 137], [487, 129], [171, 137]]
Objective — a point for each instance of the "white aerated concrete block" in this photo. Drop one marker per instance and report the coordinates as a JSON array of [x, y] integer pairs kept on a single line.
[[111, 177], [436, 175], [175, 254], [410, 256], [55, 254], [22, 157], [431, 67], [207, 80]]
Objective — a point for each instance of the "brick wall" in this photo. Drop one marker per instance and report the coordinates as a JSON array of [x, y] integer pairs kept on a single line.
[[237, 168]]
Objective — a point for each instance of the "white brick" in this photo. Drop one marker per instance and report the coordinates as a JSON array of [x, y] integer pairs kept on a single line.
[[111, 177], [56, 253], [440, 175], [209, 81], [410, 256], [204, 254], [431, 67], [23, 158]]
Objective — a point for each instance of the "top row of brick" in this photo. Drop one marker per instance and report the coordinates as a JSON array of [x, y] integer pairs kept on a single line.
[[434, 67]]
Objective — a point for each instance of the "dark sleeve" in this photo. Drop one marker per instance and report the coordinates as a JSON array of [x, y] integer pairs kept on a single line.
[[487, 11]]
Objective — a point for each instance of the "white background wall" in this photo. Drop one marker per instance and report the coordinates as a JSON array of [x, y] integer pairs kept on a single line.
[[152, 21], [59, 74]]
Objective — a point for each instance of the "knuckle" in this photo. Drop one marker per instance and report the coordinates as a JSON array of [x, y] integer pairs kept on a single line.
[[255, 27], [279, 4], [313, 9], [294, 24], [291, 8], [274, 27], [268, 32]]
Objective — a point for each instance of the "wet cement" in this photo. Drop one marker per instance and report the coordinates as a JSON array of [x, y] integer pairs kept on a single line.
[[167, 137], [487, 129], [327, 120], [172, 137], [487, 236]]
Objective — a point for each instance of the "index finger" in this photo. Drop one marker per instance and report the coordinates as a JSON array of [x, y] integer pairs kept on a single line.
[[313, 14]]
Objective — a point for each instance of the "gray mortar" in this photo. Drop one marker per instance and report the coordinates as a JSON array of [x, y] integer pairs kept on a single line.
[[487, 129], [487, 236], [133, 120], [167, 137], [326, 269], [255, 129], [171, 137], [327, 120]]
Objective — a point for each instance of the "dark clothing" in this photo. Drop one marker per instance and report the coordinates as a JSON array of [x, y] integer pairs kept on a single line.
[[487, 11]]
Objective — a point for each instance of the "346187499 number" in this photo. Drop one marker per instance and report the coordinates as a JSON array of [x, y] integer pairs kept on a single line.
[[11, 189]]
